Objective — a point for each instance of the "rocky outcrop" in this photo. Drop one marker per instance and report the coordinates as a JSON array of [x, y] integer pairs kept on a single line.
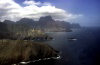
[[14, 52]]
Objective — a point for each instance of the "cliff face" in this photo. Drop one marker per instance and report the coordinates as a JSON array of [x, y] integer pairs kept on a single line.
[[50, 25], [4, 32], [12, 52], [75, 25]]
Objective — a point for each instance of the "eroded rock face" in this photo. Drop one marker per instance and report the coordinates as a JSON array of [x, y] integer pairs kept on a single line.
[[13, 52]]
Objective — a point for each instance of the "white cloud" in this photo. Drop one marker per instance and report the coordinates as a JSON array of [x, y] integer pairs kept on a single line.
[[11, 10], [31, 2]]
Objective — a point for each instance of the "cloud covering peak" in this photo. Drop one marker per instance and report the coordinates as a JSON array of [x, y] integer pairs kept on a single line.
[[11, 10]]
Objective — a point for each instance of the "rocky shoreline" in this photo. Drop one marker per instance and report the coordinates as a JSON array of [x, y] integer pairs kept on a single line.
[[22, 52], [39, 60]]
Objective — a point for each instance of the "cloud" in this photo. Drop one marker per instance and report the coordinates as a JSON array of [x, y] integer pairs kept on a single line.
[[11, 10], [31, 3]]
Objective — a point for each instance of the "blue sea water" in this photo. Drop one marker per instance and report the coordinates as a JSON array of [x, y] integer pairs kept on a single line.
[[83, 51]]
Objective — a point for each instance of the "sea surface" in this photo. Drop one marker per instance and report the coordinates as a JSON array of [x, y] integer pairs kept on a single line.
[[83, 51]]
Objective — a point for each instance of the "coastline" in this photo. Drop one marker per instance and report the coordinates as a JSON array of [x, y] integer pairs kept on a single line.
[[16, 52]]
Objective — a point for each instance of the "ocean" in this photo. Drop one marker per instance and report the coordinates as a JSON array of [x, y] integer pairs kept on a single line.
[[85, 50]]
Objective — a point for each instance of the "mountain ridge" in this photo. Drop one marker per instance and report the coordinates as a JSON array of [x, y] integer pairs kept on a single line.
[[46, 24]]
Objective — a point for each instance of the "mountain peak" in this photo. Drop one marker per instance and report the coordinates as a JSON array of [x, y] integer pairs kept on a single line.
[[8, 21], [26, 19], [46, 18]]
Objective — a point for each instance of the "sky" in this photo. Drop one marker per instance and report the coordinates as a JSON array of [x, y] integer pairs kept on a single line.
[[85, 12]]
